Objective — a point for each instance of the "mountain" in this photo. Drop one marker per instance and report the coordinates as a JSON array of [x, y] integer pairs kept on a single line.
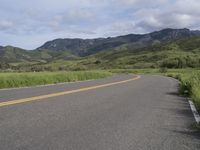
[[85, 47], [13, 54], [128, 51], [10, 54], [180, 53]]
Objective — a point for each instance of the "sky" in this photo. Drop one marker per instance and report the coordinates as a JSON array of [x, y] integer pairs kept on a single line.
[[30, 23]]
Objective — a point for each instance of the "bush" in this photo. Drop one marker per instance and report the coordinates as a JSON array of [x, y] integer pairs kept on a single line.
[[163, 70], [190, 85]]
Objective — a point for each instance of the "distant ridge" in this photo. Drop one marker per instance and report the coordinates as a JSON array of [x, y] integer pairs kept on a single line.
[[84, 47], [72, 49]]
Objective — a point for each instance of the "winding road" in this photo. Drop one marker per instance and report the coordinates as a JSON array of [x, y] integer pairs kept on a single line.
[[123, 112]]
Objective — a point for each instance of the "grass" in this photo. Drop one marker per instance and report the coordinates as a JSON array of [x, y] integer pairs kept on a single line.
[[11, 80], [190, 85]]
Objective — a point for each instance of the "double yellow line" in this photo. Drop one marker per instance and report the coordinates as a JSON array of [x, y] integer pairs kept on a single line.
[[12, 102]]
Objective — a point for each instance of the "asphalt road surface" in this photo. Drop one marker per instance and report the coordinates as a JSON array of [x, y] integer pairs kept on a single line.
[[139, 114]]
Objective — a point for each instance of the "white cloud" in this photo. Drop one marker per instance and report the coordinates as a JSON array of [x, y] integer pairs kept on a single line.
[[187, 6], [4, 24], [91, 18]]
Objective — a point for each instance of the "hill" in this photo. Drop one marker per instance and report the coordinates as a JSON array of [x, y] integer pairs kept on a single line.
[[10, 54], [172, 48], [181, 53]]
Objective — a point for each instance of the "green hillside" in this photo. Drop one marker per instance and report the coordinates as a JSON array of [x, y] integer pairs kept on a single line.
[[10, 54], [168, 48], [177, 54], [183, 53]]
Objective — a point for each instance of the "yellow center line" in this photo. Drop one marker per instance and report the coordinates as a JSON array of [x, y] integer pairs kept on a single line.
[[12, 102]]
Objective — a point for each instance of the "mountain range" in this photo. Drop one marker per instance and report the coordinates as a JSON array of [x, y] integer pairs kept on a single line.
[[83, 49]]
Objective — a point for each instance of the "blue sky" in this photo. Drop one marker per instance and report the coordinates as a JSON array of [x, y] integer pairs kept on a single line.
[[28, 24]]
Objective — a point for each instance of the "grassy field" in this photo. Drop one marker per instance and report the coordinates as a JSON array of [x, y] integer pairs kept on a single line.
[[11, 80]]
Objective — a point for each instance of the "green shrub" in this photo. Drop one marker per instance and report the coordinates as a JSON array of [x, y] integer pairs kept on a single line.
[[163, 70]]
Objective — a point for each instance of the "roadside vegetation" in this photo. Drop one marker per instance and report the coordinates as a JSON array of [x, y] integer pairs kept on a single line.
[[189, 84], [11, 80]]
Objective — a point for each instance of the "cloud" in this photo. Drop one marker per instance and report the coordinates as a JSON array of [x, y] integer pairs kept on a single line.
[[181, 14], [5, 24], [187, 6], [35, 22]]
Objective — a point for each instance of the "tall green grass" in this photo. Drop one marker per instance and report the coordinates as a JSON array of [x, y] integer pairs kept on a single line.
[[189, 82], [11, 80], [190, 85]]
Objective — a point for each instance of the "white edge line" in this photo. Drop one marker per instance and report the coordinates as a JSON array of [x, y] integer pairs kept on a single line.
[[194, 111]]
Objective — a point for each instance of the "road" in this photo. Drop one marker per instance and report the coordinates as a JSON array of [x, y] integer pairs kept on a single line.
[[141, 114]]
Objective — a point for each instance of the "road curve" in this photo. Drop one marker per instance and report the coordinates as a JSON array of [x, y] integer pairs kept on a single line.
[[143, 114]]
